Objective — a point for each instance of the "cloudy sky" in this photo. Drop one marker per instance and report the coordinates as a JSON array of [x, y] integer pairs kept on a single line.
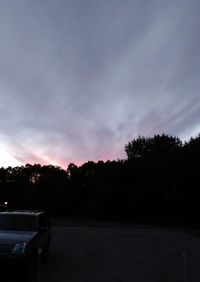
[[81, 78]]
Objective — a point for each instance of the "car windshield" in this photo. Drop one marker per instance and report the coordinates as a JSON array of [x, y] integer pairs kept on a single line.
[[17, 222]]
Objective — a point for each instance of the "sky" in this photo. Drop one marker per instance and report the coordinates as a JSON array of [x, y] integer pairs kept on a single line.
[[79, 79]]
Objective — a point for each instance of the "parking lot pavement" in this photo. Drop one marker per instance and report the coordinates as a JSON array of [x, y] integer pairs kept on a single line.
[[92, 254]]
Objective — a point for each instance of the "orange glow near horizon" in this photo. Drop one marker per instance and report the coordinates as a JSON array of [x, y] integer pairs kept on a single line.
[[43, 157]]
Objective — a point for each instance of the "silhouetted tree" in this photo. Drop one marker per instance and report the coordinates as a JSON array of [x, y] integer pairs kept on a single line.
[[159, 145], [158, 181]]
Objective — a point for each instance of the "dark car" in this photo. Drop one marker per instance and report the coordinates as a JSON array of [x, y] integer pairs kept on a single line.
[[25, 238]]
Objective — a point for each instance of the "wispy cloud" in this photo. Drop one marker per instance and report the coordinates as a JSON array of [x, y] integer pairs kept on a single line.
[[79, 79]]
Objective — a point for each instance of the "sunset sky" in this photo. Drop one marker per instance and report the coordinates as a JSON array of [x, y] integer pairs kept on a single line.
[[79, 79]]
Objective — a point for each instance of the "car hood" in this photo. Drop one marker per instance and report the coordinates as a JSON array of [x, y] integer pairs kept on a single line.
[[12, 237]]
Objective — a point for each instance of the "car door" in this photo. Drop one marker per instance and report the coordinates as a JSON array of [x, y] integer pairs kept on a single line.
[[43, 230]]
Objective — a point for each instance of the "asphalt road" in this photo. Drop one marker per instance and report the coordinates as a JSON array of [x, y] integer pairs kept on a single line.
[[105, 254]]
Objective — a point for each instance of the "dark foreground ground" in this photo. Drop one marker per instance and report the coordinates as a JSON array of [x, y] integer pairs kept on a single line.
[[87, 253]]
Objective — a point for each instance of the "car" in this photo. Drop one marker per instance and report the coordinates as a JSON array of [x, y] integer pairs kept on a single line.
[[25, 237]]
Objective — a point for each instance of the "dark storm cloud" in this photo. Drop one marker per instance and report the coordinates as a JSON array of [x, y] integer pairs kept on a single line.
[[79, 79]]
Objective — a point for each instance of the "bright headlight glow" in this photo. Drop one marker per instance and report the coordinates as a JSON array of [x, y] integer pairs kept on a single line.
[[19, 248]]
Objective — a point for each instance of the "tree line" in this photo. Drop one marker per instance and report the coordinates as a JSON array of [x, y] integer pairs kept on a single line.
[[157, 181]]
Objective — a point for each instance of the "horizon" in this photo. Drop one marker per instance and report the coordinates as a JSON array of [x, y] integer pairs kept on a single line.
[[9, 158]]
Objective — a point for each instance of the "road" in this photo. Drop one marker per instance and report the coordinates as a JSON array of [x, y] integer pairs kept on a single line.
[[106, 254]]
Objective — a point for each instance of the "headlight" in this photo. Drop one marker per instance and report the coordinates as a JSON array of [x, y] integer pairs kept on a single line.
[[19, 248]]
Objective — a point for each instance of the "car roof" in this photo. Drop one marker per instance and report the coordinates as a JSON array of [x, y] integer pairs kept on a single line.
[[23, 212]]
